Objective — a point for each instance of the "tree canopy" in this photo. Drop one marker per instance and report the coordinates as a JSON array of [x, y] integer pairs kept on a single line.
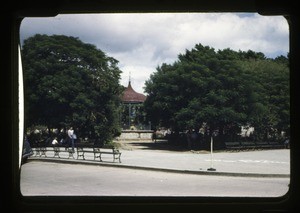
[[220, 90], [70, 83]]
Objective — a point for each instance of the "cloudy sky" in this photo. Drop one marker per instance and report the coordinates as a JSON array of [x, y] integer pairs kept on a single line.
[[141, 42]]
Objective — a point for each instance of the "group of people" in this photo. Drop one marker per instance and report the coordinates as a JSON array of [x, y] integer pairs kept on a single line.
[[66, 138], [71, 137]]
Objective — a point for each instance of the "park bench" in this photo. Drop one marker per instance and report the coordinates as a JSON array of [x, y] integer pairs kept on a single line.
[[42, 151], [57, 150], [263, 145], [97, 152], [234, 146], [248, 145], [276, 145], [238, 146]]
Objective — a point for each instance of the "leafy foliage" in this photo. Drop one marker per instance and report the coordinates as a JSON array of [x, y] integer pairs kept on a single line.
[[70, 83], [220, 90]]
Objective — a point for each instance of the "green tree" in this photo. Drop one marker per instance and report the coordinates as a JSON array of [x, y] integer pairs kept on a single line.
[[198, 88], [270, 81], [70, 83], [222, 90]]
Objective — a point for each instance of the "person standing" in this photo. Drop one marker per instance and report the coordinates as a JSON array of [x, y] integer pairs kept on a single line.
[[287, 143], [72, 136]]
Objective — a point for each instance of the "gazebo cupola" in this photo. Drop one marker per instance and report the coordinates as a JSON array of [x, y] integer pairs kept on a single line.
[[131, 96]]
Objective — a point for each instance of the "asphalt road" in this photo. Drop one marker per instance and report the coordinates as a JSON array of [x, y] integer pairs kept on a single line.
[[47, 178]]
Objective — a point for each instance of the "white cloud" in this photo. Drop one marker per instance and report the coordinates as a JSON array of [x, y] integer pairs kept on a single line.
[[141, 42]]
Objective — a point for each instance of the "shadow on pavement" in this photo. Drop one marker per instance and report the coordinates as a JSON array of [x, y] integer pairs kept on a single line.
[[158, 145]]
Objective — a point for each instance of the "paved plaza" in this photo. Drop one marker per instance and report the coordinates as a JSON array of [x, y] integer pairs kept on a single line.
[[52, 178], [268, 163], [148, 169]]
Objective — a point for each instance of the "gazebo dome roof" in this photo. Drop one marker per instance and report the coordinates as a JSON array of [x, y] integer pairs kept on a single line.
[[131, 96]]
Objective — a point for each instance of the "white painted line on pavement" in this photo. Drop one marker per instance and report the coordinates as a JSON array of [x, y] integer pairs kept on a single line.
[[249, 161]]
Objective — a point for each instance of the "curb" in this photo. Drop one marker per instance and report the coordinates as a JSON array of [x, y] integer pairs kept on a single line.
[[108, 164]]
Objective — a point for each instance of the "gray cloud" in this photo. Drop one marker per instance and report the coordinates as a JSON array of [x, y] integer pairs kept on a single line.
[[141, 42]]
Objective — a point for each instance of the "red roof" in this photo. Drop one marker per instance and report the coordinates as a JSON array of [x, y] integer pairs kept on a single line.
[[131, 96]]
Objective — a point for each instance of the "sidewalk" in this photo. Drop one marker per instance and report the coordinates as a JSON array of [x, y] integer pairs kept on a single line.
[[265, 163]]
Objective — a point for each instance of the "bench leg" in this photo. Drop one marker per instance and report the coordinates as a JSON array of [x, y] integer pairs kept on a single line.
[[56, 153], [43, 152], [80, 155], [71, 153], [118, 157], [97, 156], [37, 152]]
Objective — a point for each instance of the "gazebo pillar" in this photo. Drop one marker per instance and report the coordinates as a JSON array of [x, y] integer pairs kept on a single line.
[[129, 115]]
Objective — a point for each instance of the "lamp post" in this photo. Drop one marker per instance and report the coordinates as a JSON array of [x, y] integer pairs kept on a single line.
[[211, 155]]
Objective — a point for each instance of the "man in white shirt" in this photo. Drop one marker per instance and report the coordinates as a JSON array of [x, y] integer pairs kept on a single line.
[[72, 136]]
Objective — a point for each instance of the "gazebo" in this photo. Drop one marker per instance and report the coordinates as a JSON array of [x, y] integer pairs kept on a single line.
[[132, 102]]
